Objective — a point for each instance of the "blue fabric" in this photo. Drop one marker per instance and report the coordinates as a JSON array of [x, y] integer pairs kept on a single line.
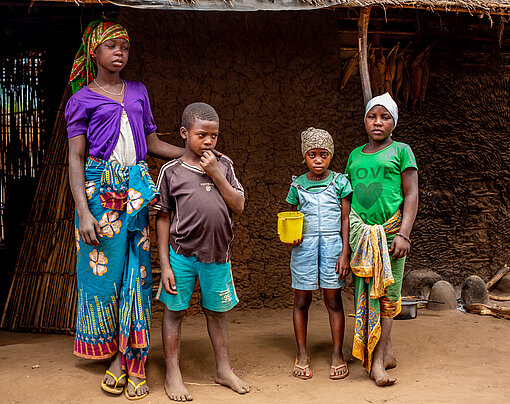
[[313, 262], [115, 278], [216, 285]]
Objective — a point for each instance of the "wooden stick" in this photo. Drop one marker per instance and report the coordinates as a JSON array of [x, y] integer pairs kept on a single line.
[[379, 32], [502, 272], [363, 53], [479, 308], [500, 298]]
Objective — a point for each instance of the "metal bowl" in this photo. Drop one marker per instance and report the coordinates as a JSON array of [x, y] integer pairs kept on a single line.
[[409, 310]]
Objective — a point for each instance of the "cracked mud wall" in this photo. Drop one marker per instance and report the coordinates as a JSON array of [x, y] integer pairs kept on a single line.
[[272, 75]]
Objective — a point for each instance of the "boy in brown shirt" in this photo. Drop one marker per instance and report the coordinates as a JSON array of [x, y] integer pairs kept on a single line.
[[201, 191]]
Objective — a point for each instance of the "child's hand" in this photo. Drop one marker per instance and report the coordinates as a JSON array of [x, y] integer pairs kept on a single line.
[[295, 243], [89, 229], [343, 266], [168, 281], [399, 247], [209, 164]]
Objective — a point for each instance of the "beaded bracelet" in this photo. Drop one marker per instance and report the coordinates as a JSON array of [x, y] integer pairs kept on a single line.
[[404, 237]]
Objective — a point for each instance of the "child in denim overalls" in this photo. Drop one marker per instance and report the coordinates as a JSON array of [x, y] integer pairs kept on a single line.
[[318, 259]]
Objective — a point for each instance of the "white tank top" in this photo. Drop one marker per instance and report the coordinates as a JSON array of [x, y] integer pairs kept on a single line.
[[124, 152]]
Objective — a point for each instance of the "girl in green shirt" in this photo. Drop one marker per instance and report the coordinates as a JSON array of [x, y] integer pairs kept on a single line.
[[384, 178]]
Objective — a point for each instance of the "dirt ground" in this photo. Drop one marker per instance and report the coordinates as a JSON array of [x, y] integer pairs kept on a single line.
[[444, 357]]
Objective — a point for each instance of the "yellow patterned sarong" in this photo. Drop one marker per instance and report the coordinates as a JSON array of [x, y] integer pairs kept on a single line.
[[377, 281]]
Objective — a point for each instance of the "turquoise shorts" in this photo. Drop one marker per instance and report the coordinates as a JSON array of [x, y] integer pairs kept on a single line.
[[216, 285]]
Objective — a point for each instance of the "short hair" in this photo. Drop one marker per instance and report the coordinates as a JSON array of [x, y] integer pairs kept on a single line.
[[198, 110]]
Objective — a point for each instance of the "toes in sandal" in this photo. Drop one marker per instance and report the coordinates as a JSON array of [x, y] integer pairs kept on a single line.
[[334, 376], [304, 376], [113, 389], [136, 386]]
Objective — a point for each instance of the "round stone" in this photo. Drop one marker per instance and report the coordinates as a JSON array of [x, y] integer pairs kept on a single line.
[[474, 291], [502, 287], [442, 291], [419, 283]]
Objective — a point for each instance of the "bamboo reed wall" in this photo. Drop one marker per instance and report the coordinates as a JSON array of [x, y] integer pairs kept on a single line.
[[42, 297], [21, 121]]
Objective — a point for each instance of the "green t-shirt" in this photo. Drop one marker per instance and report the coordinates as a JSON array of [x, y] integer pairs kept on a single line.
[[376, 179], [342, 186]]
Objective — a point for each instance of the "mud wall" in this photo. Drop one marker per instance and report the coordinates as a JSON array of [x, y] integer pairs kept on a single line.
[[272, 75]]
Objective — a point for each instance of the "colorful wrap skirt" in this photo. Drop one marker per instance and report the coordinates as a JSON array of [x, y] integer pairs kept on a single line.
[[377, 281], [115, 278]]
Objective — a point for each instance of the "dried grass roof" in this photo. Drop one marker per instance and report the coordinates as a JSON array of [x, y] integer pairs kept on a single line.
[[480, 4], [486, 6]]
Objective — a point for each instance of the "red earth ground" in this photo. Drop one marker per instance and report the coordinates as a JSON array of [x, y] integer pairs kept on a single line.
[[443, 357]]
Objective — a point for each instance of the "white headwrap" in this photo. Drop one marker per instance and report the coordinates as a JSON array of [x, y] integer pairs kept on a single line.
[[387, 102]]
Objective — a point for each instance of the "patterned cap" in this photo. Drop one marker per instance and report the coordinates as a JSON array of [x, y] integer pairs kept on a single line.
[[313, 138]]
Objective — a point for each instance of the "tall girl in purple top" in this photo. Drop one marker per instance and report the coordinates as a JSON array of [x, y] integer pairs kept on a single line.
[[111, 129]]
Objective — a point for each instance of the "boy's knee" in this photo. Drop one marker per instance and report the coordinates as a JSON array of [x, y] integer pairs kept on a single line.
[[216, 315], [173, 316]]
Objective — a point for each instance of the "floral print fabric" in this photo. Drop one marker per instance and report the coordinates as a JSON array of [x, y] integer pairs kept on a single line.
[[115, 278]]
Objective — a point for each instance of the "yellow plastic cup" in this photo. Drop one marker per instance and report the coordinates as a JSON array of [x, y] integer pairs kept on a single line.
[[290, 226]]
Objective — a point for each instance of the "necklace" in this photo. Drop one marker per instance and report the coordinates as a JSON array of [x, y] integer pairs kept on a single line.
[[321, 177], [109, 92]]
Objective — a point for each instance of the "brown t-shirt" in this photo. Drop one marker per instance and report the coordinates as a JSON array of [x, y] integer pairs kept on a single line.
[[202, 222]]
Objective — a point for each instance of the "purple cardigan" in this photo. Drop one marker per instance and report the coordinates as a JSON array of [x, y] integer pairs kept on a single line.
[[98, 117]]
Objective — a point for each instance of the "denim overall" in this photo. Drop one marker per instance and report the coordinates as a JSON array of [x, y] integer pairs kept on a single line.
[[313, 262]]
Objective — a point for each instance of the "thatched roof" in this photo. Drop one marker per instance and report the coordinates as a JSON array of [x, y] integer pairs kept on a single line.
[[476, 6]]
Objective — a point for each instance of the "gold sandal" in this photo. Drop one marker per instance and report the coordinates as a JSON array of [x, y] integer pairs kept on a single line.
[[136, 386], [115, 389]]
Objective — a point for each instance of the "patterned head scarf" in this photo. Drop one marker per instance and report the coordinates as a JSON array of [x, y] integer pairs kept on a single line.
[[84, 66], [387, 102], [313, 138]]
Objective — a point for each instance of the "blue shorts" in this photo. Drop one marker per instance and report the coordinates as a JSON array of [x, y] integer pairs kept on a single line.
[[216, 284], [313, 262]]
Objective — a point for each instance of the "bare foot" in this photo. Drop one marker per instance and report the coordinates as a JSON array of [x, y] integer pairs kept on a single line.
[[116, 369], [302, 367], [230, 379], [140, 391], [175, 389], [380, 376], [390, 361]]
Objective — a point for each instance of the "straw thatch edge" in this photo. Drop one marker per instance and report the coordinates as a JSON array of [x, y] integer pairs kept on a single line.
[[486, 6]]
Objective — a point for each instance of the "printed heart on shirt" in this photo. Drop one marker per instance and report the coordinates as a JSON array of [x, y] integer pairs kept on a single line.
[[367, 196]]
